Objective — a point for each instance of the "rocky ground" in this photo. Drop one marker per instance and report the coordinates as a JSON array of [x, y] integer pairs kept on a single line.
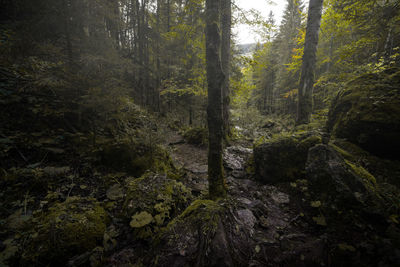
[[266, 225]]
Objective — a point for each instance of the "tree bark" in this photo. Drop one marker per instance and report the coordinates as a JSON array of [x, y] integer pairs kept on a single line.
[[215, 79], [226, 23], [305, 104]]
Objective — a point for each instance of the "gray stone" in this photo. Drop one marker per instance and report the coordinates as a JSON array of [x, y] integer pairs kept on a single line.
[[246, 218]]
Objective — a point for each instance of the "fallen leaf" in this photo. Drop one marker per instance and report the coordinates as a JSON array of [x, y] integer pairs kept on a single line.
[[320, 220], [345, 246], [316, 204], [141, 219]]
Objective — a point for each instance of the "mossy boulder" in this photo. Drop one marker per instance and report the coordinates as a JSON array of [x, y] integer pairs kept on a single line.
[[152, 201], [385, 170], [70, 228], [344, 184], [283, 158], [135, 158], [336, 179], [367, 113], [196, 136]]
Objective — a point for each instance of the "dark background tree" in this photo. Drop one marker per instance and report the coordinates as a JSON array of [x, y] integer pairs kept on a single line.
[[226, 24], [305, 102]]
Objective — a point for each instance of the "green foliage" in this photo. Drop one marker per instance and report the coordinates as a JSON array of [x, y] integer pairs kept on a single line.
[[351, 43]]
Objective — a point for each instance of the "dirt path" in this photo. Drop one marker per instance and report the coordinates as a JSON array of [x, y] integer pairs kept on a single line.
[[279, 233], [192, 159]]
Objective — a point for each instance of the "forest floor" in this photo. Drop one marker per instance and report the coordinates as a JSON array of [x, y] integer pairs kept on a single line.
[[276, 222], [70, 198]]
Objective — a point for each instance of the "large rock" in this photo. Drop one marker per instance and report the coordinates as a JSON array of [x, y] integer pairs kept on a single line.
[[341, 183], [367, 113], [283, 159], [335, 179]]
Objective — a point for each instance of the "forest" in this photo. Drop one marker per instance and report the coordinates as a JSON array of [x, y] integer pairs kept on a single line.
[[146, 133]]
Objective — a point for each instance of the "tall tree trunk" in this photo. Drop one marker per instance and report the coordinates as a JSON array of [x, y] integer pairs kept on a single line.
[[67, 8], [215, 79], [226, 23], [305, 104]]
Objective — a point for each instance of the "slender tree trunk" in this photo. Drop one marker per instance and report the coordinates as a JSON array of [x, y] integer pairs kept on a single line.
[[305, 104], [168, 17], [156, 91], [226, 23], [215, 79], [67, 7]]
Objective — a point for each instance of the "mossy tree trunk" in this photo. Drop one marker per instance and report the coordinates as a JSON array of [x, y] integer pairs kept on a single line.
[[305, 104], [226, 23], [215, 79]]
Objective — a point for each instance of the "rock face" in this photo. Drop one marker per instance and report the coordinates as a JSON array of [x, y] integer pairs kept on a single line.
[[283, 159], [367, 113]]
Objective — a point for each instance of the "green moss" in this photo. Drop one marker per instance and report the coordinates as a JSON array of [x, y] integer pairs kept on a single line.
[[368, 179], [157, 196], [201, 215], [383, 169], [250, 166], [343, 152], [67, 229], [196, 136], [200, 205], [310, 142]]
